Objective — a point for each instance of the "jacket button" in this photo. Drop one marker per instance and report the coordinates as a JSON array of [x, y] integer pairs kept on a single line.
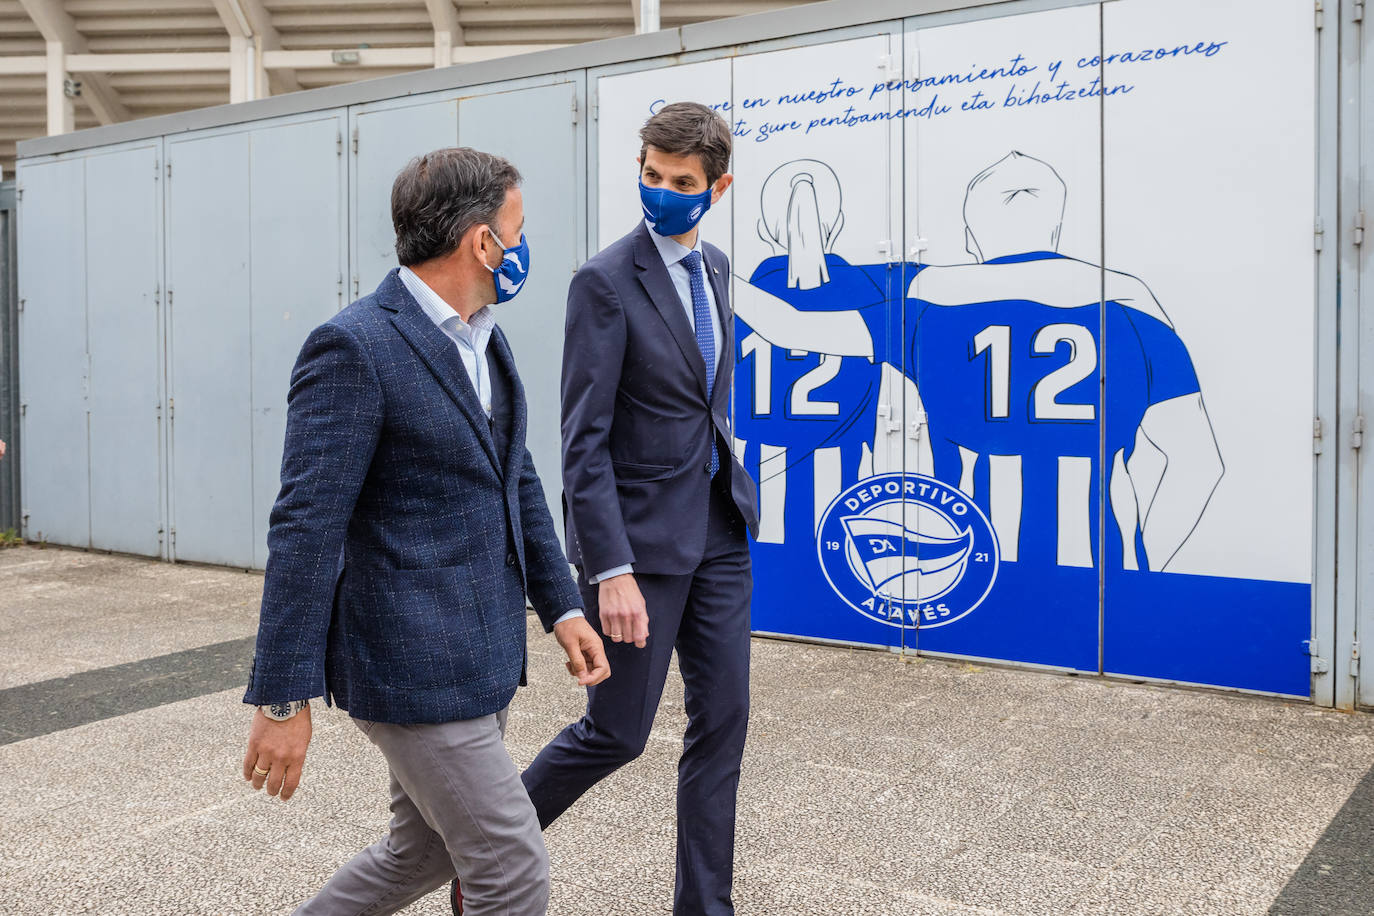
[[510, 559]]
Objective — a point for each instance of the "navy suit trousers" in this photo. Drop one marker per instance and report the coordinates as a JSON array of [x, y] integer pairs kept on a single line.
[[704, 615]]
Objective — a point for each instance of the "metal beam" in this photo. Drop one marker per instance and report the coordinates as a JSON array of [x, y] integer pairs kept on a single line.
[[59, 31], [266, 38], [391, 57], [448, 32], [61, 111], [647, 17], [147, 63], [101, 98], [242, 85], [16, 66], [251, 33]]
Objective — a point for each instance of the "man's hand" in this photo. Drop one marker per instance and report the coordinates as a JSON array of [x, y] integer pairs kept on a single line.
[[278, 749], [586, 655], [623, 617]]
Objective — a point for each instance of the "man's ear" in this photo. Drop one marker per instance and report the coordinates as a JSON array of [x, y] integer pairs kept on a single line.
[[718, 189], [476, 243]]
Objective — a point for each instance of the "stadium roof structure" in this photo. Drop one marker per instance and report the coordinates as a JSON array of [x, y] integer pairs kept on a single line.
[[71, 64]]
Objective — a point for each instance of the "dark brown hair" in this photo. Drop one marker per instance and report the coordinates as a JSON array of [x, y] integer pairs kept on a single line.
[[689, 129], [439, 196]]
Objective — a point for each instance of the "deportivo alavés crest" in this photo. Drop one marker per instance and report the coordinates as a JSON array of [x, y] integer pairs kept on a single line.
[[908, 550]]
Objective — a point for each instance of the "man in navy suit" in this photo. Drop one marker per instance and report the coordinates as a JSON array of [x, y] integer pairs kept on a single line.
[[657, 507], [409, 529]]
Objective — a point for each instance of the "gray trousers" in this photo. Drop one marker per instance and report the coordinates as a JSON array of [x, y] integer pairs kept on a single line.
[[457, 807]]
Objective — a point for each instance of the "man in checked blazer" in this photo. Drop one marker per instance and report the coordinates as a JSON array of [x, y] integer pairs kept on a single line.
[[410, 528], [657, 507]]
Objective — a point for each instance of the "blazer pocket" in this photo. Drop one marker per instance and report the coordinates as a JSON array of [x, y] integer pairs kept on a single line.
[[634, 472]]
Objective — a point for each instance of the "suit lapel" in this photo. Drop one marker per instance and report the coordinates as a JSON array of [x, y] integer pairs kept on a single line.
[[440, 354], [519, 418], [653, 275]]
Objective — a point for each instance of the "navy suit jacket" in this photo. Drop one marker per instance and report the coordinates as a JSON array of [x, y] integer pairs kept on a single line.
[[637, 424], [402, 545]]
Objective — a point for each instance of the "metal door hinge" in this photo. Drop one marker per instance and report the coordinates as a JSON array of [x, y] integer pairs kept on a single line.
[[169, 168], [172, 413], [355, 286], [1358, 235], [338, 144], [1319, 235], [169, 297], [1355, 659], [1357, 14], [157, 169], [355, 141], [1357, 433], [1316, 435], [1321, 10], [340, 289], [890, 66], [1319, 664], [915, 426], [23, 409], [157, 294], [886, 249], [21, 304], [574, 109], [173, 535], [885, 412], [19, 192]]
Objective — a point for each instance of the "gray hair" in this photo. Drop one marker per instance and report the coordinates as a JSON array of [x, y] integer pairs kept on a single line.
[[439, 196]]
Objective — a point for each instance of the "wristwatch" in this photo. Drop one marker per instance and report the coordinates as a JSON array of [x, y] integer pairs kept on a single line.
[[280, 712]]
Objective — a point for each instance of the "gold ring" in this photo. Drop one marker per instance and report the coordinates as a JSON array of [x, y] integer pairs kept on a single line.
[[615, 636], [261, 772]]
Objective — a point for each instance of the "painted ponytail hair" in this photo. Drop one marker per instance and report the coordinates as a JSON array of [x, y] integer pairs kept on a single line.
[[801, 215]]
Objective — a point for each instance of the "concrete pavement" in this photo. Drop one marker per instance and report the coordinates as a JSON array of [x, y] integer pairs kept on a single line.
[[872, 784]]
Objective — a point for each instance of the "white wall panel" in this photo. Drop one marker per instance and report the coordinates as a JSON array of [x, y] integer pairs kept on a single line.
[[52, 339], [298, 251], [208, 252], [124, 276]]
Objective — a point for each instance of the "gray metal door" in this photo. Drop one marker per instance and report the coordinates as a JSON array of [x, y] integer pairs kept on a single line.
[[384, 140], [123, 277], [1357, 263], [9, 360], [542, 142], [299, 253], [209, 350], [52, 334]]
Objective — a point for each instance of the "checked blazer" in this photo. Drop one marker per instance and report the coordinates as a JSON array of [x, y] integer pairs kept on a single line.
[[403, 544]]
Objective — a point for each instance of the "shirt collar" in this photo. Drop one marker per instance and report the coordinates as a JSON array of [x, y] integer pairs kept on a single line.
[[670, 249], [439, 311]]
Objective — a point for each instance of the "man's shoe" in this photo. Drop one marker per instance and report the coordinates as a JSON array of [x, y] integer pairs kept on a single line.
[[456, 898]]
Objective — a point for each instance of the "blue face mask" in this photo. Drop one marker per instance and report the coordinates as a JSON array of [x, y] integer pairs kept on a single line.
[[514, 268], [671, 213]]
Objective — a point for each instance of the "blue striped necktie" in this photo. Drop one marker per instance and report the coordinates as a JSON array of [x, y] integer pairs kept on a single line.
[[706, 341]]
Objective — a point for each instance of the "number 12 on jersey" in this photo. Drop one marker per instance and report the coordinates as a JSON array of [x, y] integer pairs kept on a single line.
[[995, 341]]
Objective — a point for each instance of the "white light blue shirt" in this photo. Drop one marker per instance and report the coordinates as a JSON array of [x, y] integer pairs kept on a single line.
[[672, 251], [471, 338]]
